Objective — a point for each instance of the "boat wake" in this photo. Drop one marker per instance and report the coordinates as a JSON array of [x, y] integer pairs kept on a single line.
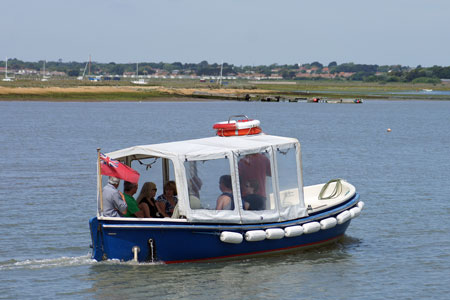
[[31, 264]]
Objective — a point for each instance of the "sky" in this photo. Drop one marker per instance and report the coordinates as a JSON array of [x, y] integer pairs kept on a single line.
[[239, 32]]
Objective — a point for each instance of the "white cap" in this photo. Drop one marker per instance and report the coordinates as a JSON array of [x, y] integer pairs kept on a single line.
[[113, 180]]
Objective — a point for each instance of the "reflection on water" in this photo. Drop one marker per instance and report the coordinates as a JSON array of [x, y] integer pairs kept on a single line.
[[246, 278]]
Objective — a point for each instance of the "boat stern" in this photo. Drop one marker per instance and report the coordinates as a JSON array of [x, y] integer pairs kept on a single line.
[[96, 236]]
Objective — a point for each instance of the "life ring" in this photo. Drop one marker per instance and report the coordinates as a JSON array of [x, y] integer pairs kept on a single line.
[[233, 125], [239, 132]]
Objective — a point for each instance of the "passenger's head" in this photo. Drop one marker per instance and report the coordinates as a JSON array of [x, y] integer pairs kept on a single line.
[[148, 190], [225, 180], [170, 188], [113, 180], [130, 188]]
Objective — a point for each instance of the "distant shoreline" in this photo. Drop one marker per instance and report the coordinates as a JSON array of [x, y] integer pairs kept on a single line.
[[182, 91], [157, 99]]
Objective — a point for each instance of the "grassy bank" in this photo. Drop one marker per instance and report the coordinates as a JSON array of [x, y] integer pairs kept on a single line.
[[167, 90]]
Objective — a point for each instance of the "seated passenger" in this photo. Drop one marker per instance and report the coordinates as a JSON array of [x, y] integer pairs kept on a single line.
[[129, 189], [166, 202], [225, 200], [252, 200], [147, 198]]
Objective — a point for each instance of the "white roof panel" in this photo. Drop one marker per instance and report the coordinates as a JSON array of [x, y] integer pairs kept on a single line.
[[206, 147]]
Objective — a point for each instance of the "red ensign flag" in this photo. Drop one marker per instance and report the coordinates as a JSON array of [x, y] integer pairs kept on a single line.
[[112, 167]]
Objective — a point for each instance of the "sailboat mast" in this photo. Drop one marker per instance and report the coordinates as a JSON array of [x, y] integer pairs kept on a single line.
[[6, 67], [85, 67], [221, 69]]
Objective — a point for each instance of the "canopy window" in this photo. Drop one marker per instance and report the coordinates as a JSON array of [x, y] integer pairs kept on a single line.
[[257, 185], [154, 169], [290, 193], [255, 181], [207, 181]]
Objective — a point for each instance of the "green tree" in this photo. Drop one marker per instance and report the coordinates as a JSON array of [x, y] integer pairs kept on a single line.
[[332, 64], [287, 74], [73, 73], [117, 69], [317, 64]]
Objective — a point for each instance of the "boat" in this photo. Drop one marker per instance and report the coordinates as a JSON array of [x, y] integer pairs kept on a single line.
[[6, 72], [270, 210], [427, 90], [44, 77], [139, 81]]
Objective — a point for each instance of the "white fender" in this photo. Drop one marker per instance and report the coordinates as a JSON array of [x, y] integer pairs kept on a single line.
[[231, 237], [343, 217], [255, 235], [311, 227], [292, 231], [328, 223], [274, 233], [354, 212], [360, 205]]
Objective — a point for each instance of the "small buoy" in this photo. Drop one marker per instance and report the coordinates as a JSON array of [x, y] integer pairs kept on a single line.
[[388, 130]]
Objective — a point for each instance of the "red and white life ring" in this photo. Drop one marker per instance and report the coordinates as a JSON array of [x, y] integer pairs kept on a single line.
[[239, 132], [236, 125]]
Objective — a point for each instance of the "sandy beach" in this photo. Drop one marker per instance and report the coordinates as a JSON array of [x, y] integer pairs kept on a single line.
[[92, 93]]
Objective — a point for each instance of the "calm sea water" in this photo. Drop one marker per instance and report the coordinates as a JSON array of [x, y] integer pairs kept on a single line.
[[399, 248]]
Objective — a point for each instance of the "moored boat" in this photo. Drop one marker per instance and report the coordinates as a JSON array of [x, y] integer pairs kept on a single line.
[[267, 207]]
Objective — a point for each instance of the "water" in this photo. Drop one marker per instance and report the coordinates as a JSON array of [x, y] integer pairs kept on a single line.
[[399, 248]]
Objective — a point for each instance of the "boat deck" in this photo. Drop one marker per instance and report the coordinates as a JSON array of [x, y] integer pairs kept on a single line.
[[333, 195]]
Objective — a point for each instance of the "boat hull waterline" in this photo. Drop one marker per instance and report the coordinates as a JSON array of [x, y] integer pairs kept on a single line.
[[178, 242]]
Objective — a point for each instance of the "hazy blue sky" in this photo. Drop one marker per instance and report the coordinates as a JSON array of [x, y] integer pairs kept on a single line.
[[240, 32]]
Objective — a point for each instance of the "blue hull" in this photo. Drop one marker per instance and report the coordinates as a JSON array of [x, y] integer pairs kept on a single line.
[[186, 242]]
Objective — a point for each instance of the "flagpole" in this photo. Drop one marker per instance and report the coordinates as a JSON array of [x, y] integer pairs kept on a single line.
[[99, 181]]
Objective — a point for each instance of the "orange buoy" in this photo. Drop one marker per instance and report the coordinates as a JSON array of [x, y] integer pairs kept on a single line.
[[239, 124], [239, 132]]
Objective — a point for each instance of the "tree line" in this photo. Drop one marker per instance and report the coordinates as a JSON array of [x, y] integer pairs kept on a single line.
[[362, 72]]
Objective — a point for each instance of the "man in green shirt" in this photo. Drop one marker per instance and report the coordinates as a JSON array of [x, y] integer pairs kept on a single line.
[[133, 210]]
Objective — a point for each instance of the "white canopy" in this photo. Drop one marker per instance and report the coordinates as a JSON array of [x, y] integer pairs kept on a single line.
[[231, 148], [206, 148]]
